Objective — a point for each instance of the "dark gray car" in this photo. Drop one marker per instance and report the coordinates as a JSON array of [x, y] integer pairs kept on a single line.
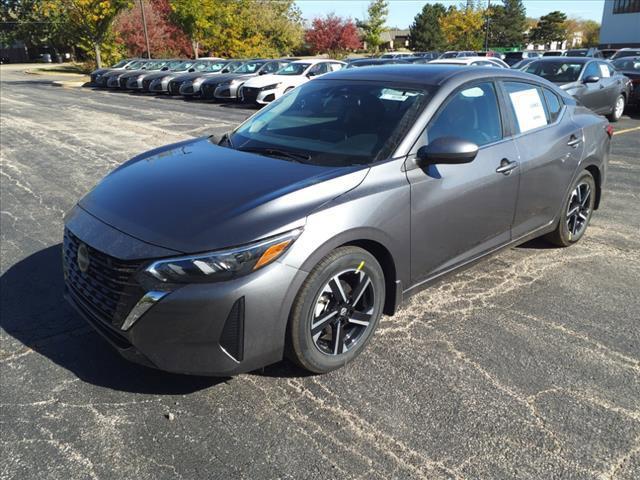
[[226, 86], [326, 209], [593, 82]]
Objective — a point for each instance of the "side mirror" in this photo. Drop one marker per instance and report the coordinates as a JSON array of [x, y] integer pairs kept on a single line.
[[262, 72], [592, 79], [446, 150], [164, 69], [311, 74], [191, 70]]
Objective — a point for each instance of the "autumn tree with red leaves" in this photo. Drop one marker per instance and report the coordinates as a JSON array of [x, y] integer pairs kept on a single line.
[[333, 35], [166, 40]]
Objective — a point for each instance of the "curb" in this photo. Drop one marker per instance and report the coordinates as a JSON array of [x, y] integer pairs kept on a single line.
[[69, 83]]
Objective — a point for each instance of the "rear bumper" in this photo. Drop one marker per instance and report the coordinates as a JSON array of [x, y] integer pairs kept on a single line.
[[216, 329]]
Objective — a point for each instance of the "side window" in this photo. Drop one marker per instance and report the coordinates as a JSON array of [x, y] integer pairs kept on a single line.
[[591, 70], [483, 63], [318, 69], [553, 104], [527, 106], [471, 114], [334, 67], [271, 67]]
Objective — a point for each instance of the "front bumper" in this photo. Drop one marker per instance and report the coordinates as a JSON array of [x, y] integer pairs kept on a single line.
[[258, 96], [227, 92], [158, 86], [217, 329]]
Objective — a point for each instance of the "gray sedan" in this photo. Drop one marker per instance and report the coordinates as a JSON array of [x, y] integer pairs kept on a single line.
[[593, 82], [193, 79], [296, 231]]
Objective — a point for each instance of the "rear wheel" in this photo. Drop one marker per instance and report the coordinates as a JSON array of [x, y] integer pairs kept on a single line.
[[618, 109], [576, 212], [337, 310]]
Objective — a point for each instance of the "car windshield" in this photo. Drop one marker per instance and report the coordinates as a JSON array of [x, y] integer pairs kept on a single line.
[[556, 71], [326, 122], [179, 65], [576, 53], [136, 65], [155, 65], [626, 53], [627, 64], [121, 63], [293, 69], [249, 67], [209, 66]]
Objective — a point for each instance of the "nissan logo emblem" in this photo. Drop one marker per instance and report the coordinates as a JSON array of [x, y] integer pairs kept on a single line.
[[82, 258]]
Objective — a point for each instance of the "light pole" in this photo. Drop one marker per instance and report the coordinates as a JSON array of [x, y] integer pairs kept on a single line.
[[486, 28], [144, 27]]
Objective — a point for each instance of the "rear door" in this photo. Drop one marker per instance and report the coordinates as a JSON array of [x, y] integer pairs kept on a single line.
[[549, 145], [459, 212]]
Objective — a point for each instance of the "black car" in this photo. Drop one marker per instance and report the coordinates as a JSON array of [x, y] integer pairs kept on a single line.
[[594, 82], [583, 52], [630, 68], [511, 58]]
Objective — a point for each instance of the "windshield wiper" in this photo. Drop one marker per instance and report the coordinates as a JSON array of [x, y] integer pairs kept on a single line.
[[276, 152]]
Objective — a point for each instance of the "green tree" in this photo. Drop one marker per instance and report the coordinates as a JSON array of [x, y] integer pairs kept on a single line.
[[374, 25], [425, 32], [89, 21], [507, 24], [550, 28], [590, 33], [462, 27]]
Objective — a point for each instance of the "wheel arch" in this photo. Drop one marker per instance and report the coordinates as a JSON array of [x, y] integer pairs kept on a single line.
[[597, 177], [376, 244]]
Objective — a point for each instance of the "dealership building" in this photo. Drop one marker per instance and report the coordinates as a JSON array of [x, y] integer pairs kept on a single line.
[[620, 24]]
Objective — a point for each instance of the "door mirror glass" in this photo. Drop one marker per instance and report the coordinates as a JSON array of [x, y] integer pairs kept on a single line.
[[447, 150], [592, 79], [192, 70]]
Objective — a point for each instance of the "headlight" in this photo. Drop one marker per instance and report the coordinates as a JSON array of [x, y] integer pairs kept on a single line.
[[222, 264], [235, 81], [271, 87]]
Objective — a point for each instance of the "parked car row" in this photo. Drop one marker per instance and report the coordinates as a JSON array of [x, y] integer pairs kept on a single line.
[[256, 81]]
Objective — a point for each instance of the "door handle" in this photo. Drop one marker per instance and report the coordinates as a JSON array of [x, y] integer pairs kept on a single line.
[[506, 166], [573, 141]]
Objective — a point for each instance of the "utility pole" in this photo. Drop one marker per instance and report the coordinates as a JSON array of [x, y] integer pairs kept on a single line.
[[144, 27], [486, 29]]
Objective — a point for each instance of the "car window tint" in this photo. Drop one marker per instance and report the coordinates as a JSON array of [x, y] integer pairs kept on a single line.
[[553, 104], [527, 106], [471, 114], [591, 70], [271, 67]]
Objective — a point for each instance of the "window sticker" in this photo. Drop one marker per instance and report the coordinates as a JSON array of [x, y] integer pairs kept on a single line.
[[527, 105], [473, 92], [604, 71]]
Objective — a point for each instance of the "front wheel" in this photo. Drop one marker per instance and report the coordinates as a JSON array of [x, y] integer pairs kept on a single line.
[[618, 109], [337, 310], [576, 212]]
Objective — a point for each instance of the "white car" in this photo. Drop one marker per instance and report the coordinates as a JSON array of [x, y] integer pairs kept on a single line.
[[474, 61], [266, 88]]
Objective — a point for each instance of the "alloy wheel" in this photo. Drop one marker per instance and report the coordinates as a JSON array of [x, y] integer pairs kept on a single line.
[[343, 312], [619, 110], [578, 210]]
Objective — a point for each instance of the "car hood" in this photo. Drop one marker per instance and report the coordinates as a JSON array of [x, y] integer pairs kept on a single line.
[[568, 85], [223, 77], [193, 75], [270, 79], [195, 196]]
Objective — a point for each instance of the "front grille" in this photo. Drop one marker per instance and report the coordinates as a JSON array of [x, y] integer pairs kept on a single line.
[[249, 95], [174, 87], [107, 291], [187, 90], [206, 90], [146, 83], [123, 82]]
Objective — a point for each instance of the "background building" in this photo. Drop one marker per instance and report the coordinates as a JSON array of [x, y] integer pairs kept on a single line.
[[620, 24]]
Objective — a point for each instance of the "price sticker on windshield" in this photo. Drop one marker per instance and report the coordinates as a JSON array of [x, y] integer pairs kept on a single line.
[[528, 108]]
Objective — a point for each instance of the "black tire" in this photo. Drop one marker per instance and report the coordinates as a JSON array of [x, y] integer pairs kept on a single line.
[[573, 224], [616, 112], [322, 352]]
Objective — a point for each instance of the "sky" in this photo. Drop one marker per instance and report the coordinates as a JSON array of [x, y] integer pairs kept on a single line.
[[401, 12]]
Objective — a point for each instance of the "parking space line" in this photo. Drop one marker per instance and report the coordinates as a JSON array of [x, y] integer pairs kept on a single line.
[[620, 132]]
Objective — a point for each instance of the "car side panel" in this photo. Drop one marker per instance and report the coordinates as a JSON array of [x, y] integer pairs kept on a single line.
[[547, 165]]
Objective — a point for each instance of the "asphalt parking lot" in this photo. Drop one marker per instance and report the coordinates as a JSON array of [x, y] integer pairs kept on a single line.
[[525, 366]]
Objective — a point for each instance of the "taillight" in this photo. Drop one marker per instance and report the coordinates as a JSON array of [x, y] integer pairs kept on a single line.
[[609, 130]]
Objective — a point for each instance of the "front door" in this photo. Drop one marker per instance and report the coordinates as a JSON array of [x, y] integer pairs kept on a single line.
[[461, 211]]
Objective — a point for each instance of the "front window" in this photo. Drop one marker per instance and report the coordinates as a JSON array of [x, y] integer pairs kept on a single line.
[[136, 65], [120, 64], [179, 65], [249, 67], [556, 71], [577, 53], [471, 114], [209, 66], [293, 69], [327, 122]]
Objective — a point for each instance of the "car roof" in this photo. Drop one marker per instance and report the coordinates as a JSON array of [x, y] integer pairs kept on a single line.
[[316, 60], [428, 74], [567, 59]]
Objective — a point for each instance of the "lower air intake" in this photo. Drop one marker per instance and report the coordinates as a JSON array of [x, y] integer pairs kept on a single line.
[[232, 337]]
